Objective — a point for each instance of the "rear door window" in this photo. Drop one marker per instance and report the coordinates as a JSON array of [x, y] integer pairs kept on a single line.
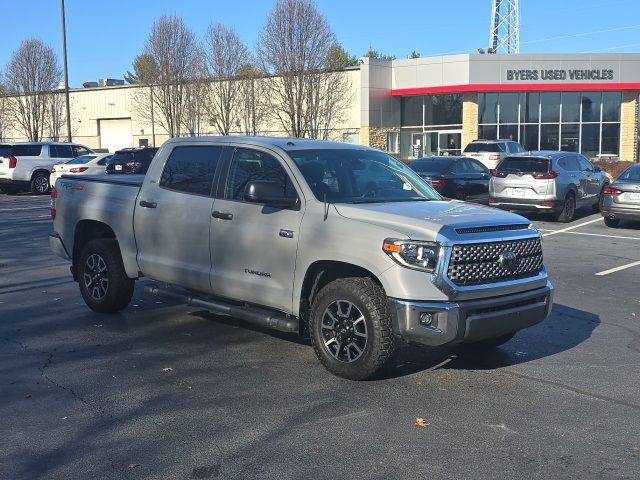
[[26, 150], [524, 165], [569, 163], [585, 165], [191, 169], [61, 151]]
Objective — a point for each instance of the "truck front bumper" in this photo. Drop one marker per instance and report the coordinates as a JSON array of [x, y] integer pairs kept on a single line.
[[469, 321]]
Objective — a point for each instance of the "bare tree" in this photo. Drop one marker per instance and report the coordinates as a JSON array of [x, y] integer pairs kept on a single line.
[[196, 91], [173, 48], [32, 76], [295, 47], [56, 116], [5, 117], [226, 55], [252, 104]]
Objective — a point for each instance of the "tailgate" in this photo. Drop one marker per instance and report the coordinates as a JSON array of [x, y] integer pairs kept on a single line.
[[4, 165]]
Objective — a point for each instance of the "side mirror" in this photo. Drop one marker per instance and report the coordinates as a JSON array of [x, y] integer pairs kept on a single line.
[[597, 169], [268, 193]]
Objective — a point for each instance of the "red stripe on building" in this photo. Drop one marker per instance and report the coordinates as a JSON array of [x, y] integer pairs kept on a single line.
[[516, 87]]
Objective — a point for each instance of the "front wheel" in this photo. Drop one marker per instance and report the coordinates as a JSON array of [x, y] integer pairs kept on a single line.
[[104, 284], [611, 222], [350, 328]]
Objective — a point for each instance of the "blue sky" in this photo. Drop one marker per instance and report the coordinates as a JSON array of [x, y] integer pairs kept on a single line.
[[103, 37]]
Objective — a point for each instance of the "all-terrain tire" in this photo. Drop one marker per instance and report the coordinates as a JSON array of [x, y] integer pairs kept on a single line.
[[335, 328], [568, 209], [104, 284]]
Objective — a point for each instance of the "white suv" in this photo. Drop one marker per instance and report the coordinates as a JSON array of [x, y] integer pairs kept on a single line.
[[28, 165], [490, 152]]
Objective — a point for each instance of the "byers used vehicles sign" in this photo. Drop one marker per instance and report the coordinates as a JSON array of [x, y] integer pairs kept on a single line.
[[574, 74]]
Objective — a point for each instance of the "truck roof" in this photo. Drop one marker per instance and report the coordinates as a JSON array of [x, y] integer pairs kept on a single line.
[[285, 143]]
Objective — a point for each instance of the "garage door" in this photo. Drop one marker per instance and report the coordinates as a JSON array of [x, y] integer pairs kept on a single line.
[[115, 134]]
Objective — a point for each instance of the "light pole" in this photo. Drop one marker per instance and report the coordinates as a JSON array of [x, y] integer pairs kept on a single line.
[[66, 72]]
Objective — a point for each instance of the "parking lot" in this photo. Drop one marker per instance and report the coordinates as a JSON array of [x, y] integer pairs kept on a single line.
[[167, 391]]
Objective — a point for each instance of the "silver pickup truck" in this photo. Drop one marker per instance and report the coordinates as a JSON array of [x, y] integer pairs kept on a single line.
[[340, 243]]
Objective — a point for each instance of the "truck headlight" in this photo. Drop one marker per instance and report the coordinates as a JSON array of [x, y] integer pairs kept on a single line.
[[413, 254]]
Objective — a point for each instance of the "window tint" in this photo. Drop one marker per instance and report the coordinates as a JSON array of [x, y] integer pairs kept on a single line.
[[79, 150], [475, 166], [459, 167], [104, 160], [584, 163], [524, 165], [81, 159], [631, 173], [26, 150], [250, 165], [483, 147], [5, 150], [191, 169], [430, 165], [61, 151], [570, 164]]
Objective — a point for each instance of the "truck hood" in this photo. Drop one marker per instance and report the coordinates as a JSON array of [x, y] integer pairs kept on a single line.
[[426, 220]]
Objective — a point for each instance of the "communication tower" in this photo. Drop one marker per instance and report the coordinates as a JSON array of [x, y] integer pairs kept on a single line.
[[504, 36]]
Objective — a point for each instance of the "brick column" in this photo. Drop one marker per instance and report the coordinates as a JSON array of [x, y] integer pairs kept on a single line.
[[629, 126], [469, 117]]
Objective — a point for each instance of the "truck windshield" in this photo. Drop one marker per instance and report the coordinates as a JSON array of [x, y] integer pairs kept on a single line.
[[360, 176]]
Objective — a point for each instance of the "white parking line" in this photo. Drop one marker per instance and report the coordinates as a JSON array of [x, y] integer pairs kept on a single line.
[[617, 269], [562, 230], [22, 208], [605, 236]]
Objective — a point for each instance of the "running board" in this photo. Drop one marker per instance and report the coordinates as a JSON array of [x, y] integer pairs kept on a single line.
[[254, 315]]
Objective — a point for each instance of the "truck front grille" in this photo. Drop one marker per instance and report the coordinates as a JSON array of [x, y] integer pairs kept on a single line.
[[478, 263]]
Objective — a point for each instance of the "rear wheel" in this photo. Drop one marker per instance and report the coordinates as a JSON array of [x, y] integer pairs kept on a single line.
[[568, 209], [350, 328], [611, 222], [39, 184], [598, 205], [104, 284]]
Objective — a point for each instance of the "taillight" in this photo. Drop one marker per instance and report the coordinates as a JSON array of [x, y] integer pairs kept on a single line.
[[545, 176], [494, 157], [79, 169], [13, 161], [496, 173], [611, 191], [437, 182], [492, 200], [134, 166], [54, 195], [53, 169]]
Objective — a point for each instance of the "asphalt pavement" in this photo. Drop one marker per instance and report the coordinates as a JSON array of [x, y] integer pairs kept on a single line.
[[166, 391]]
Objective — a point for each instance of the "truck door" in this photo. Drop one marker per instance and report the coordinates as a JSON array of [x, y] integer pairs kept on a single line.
[[254, 246], [173, 215]]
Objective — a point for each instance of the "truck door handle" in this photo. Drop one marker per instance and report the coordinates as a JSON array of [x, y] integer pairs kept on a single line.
[[147, 204], [222, 215]]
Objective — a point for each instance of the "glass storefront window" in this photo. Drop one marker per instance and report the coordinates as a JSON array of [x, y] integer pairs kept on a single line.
[[530, 107], [550, 107], [611, 138], [590, 139], [611, 102], [570, 107], [411, 111], [570, 136], [509, 132], [591, 106], [488, 108], [443, 110], [549, 137], [508, 107], [529, 135], [488, 132]]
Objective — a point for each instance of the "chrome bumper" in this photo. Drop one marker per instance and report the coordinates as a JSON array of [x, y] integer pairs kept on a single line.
[[57, 247], [450, 323]]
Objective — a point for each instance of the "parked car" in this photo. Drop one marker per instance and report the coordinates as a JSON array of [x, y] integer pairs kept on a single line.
[[490, 152], [28, 165], [621, 199], [92, 164], [557, 182], [131, 160], [340, 243], [462, 178]]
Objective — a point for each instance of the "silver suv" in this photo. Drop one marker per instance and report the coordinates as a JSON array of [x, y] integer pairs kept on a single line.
[[27, 166], [490, 152], [557, 182]]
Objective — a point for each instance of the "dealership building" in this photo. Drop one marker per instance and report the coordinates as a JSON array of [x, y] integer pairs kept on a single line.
[[432, 105]]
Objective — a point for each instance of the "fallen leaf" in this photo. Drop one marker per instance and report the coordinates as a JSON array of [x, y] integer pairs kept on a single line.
[[133, 465], [167, 370], [444, 376], [421, 422]]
